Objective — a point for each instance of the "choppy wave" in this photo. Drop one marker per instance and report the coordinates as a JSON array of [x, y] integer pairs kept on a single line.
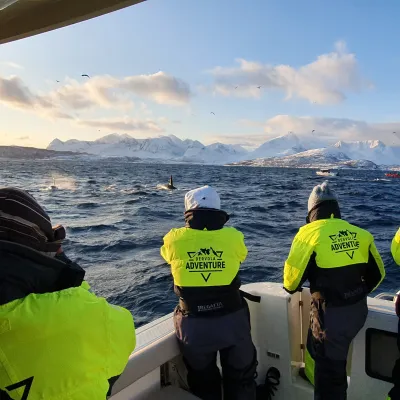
[[116, 223]]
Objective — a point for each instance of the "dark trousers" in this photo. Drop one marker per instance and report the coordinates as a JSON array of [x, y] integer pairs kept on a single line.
[[326, 359], [201, 338]]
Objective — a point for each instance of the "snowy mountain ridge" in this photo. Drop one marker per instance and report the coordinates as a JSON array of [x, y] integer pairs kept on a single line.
[[300, 150], [162, 147]]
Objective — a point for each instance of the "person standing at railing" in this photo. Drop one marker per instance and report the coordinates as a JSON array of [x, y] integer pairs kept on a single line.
[[57, 339], [396, 247], [212, 316], [394, 394], [343, 266]]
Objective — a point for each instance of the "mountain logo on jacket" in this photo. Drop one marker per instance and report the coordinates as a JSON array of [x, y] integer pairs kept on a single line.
[[205, 260], [345, 242], [205, 252]]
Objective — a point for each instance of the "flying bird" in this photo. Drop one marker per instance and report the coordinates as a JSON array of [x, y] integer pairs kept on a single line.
[[57, 81], [86, 75], [258, 87], [236, 87], [212, 113], [313, 131]]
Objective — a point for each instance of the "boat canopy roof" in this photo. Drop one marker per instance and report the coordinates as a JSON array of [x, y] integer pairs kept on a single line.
[[23, 18]]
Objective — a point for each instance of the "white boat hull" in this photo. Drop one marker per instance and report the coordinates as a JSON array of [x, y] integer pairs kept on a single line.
[[279, 329]]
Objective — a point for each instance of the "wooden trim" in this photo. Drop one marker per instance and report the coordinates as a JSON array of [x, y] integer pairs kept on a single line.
[[32, 17]]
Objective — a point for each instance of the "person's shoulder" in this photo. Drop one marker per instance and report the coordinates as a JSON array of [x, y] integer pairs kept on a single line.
[[230, 230], [174, 234], [84, 295], [309, 229], [311, 233], [359, 231]]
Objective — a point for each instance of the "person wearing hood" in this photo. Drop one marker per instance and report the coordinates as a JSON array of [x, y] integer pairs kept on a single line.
[[58, 340], [211, 316], [342, 265]]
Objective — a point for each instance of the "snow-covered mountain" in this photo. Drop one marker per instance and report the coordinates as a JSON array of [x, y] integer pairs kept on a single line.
[[217, 153], [301, 151], [163, 147], [311, 152], [286, 145], [329, 157], [372, 150], [306, 158]]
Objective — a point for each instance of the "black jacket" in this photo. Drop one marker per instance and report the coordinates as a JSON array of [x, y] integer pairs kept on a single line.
[[24, 271]]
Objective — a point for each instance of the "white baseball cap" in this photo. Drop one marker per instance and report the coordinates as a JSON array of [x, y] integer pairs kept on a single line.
[[203, 197]]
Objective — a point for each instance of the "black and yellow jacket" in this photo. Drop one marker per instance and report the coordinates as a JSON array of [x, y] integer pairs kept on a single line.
[[58, 341], [340, 260], [205, 258], [396, 247]]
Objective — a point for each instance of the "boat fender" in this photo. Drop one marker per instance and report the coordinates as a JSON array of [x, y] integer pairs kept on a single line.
[[250, 297], [267, 390]]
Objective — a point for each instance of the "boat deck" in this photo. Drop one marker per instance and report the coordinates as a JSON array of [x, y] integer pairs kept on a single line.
[[279, 330]]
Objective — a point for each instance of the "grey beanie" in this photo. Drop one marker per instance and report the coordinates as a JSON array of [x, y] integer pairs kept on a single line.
[[319, 194]]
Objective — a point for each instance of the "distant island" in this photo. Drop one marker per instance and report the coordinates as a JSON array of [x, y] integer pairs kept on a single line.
[[18, 152]]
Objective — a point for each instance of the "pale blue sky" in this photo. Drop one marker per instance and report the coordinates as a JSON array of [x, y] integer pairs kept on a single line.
[[186, 39]]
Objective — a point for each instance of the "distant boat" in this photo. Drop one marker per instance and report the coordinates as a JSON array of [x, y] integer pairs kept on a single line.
[[327, 172], [393, 175]]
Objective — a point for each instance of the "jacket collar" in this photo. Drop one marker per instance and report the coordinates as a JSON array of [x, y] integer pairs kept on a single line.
[[325, 210], [206, 218]]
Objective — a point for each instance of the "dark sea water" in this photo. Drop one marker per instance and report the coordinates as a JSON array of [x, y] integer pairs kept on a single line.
[[115, 224]]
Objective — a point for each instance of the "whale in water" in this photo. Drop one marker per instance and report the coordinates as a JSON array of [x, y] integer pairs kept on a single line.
[[171, 184]]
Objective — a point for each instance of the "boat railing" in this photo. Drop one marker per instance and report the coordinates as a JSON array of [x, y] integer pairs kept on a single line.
[[386, 296]]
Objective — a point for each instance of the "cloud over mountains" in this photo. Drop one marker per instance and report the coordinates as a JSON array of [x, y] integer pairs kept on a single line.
[[323, 81]]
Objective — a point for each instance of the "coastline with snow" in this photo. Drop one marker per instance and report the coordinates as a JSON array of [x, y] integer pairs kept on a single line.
[[287, 150]]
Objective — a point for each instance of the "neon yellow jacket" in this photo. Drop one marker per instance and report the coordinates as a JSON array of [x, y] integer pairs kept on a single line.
[[201, 258], [63, 345], [396, 247], [338, 258]]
